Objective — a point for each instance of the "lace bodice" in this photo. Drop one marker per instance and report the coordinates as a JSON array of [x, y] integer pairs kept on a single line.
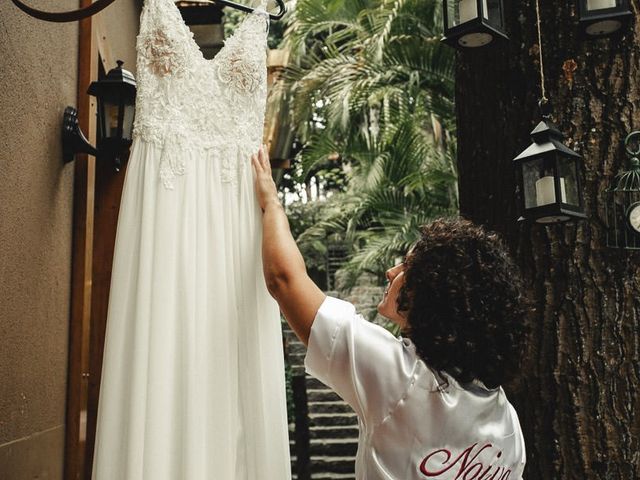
[[185, 101]]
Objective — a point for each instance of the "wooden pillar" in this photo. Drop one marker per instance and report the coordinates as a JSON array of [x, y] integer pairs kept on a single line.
[[83, 202]]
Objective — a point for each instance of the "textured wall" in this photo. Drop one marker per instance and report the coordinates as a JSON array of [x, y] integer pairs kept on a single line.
[[38, 74], [38, 65], [38, 79]]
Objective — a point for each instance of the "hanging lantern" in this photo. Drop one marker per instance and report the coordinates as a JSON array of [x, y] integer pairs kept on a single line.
[[603, 17], [549, 178], [116, 95], [473, 23], [623, 203]]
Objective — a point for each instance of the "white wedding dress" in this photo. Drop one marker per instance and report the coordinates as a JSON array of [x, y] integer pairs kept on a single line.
[[192, 383]]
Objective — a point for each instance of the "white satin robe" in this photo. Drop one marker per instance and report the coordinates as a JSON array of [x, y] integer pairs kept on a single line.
[[410, 426]]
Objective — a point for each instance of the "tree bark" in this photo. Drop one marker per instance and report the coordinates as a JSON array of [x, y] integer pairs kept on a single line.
[[579, 398]]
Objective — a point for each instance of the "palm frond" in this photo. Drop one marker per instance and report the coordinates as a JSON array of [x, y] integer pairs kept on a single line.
[[372, 87]]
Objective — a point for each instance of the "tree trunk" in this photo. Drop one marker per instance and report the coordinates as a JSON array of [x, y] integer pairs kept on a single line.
[[579, 399]]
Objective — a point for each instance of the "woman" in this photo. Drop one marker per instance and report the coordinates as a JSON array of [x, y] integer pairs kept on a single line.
[[429, 404]]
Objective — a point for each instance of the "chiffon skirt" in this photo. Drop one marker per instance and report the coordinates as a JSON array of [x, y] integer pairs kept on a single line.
[[192, 383]]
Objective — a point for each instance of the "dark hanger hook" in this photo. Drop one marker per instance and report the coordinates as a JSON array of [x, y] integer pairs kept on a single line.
[[245, 8], [69, 16], [99, 5]]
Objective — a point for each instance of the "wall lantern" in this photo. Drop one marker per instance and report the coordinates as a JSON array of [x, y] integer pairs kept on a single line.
[[116, 94], [550, 178], [623, 203], [473, 23], [603, 17]]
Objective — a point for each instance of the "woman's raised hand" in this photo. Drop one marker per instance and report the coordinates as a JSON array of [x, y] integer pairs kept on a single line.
[[264, 184]]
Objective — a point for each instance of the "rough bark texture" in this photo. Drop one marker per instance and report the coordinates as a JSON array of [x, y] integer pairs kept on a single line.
[[579, 400]]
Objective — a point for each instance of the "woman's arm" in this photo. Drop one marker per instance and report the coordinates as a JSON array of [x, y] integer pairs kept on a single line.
[[284, 269]]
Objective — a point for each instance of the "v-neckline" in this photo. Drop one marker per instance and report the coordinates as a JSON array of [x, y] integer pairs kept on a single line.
[[193, 42]]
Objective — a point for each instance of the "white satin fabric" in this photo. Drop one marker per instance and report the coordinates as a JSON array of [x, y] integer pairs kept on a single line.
[[411, 426]]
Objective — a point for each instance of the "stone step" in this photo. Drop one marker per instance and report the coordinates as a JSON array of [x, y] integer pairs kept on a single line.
[[332, 419], [290, 337], [327, 465], [329, 407], [340, 431], [314, 383], [297, 370], [333, 426], [342, 447], [297, 358], [322, 395], [296, 348], [333, 476]]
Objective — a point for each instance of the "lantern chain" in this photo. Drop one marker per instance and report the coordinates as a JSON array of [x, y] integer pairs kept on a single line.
[[544, 90]]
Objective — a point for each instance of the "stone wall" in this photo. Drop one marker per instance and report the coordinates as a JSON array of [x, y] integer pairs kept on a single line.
[[38, 62]]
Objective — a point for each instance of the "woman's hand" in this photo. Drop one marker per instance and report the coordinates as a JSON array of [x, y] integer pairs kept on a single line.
[[265, 186]]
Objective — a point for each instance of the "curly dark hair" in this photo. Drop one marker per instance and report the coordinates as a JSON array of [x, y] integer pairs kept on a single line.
[[463, 295]]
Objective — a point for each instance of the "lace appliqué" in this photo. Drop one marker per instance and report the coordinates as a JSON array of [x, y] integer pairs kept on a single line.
[[172, 161], [231, 165], [160, 53], [188, 106], [234, 70], [241, 66]]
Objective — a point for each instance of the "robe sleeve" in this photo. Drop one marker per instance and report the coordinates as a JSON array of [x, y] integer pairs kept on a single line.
[[361, 361]]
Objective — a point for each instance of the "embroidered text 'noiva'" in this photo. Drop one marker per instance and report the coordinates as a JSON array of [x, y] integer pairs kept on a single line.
[[466, 466]]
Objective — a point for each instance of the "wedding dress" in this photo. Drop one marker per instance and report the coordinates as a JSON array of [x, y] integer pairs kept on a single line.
[[192, 384]]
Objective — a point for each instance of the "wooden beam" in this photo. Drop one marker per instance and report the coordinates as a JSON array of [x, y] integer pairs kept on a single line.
[[83, 206], [102, 44]]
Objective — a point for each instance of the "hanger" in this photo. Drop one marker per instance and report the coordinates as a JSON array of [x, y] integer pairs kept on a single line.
[[98, 5], [244, 8]]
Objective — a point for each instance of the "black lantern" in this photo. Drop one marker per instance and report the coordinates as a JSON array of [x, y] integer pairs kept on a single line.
[[623, 203], [116, 95], [550, 178], [603, 17], [473, 23]]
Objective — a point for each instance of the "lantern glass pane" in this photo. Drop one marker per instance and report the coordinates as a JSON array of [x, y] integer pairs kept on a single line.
[[111, 119], [546, 185], [462, 11], [600, 4], [127, 126], [532, 170], [493, 12], [568, 173], [100, 132]]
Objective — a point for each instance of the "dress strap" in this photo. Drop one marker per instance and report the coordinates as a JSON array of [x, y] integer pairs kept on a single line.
[[261, 10]]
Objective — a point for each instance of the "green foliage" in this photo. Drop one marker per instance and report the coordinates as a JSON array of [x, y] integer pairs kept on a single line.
[[372, 89], [233, 17], [305, 217]]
